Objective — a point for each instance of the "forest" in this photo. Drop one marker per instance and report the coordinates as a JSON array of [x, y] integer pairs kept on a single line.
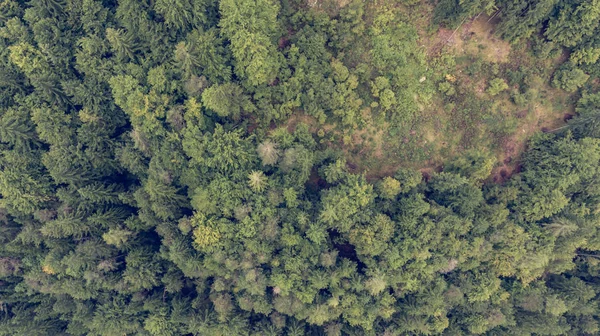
[[299, 167]]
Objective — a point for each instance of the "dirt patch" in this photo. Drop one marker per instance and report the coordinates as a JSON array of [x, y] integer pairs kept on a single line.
[[509, 158], [443, 37], [370, 139], [522, 114], [301, 118], [483, 41], [381, 172], [474, 37], [480, 88], [367, 152]]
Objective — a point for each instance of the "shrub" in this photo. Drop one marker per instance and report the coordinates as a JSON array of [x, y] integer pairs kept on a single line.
[[569, 79], [497, 85]]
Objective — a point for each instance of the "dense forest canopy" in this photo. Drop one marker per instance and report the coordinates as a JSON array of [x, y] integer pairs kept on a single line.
[[299, 167]]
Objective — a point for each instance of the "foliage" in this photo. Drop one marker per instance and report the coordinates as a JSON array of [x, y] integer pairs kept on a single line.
[[497, 85], [227, 100], [569, 79], [173, 167]]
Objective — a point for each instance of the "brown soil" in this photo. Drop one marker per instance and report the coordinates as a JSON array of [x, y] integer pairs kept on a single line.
[[443, 37], [300, 117], [474, 37], [511, 151]]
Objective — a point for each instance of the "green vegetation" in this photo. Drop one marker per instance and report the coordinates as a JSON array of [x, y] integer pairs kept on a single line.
[[235, 167]]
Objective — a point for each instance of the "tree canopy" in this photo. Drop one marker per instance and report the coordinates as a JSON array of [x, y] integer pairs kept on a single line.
[[178, 167]]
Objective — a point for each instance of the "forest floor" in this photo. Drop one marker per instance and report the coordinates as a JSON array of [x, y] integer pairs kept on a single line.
[[441, 132], [472, 119]]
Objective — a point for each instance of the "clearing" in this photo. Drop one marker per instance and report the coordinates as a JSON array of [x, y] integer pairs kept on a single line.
[[462, 114]]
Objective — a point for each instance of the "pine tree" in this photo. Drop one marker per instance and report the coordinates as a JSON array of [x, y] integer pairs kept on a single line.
[[178, 14], [16, 130], [122, 43], [252, 40], [227, 100], [257, 181], [268, 152]]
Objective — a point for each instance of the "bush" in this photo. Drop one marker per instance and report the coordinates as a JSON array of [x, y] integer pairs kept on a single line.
[[585, 56], [519, 99], [497, 85], [447, 88], [569, 79]]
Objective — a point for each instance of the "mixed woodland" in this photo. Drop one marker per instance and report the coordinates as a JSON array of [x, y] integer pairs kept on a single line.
[[299, 167]]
